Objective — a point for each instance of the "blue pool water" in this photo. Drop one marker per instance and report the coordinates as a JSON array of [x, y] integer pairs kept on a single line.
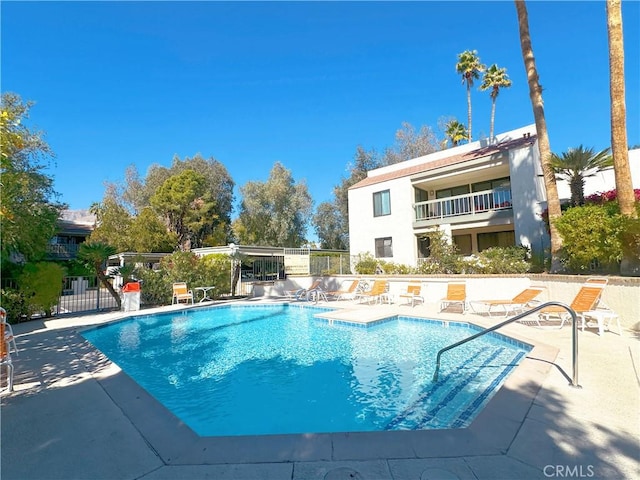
[[259, 370]]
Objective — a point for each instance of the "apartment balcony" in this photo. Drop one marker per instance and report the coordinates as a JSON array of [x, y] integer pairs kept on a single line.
[[477, 206], [62, 251]]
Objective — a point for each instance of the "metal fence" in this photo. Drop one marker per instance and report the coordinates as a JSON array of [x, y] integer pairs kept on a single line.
[[330, 264]]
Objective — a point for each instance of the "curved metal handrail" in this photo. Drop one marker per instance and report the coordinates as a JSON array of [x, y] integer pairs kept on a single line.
[[574, 323]]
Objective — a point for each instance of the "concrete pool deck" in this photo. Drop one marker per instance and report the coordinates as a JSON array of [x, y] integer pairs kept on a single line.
[[74, 414]]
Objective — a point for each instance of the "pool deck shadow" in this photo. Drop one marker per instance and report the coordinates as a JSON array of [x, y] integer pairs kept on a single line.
[[74, 414]]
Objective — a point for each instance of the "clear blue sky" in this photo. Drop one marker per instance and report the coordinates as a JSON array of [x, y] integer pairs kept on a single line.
[[121, 83]]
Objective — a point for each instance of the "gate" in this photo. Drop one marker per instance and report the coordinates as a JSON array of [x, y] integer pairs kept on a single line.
[[84, 294]]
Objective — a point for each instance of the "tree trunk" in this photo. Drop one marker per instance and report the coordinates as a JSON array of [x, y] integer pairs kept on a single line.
[[619, 148], [493, 117], [535, 93], [105, 281], [469, 111]]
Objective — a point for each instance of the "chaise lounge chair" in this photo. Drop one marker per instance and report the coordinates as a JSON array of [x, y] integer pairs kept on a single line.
[[345, 294], [456, 295], [181, 292], [510, 307], [378, 289], [305, 293], [413, 294], [586, 300]]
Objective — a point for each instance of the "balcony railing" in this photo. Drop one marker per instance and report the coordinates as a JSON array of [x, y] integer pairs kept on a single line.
[[468, 204], [63, 251]]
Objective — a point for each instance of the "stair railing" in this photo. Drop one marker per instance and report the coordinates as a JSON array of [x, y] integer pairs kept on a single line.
[[574, 324]]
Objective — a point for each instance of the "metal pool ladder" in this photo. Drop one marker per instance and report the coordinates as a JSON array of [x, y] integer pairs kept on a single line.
[[574, 323]]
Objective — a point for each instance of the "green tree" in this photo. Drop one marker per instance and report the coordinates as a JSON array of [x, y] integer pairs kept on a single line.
[[576, 164], [535, 94], [147, 233], [113, 222], [95, 256], [217, 191], [455, 132], [494, 79], [29, 209], [329, 227], [274, 213], [470, 67], [186, 207]]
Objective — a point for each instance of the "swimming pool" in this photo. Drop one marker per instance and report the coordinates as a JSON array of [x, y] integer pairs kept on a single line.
[[257, 370]]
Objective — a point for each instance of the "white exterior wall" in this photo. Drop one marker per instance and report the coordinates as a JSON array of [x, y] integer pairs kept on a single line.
[[364, 228], [528, 198]]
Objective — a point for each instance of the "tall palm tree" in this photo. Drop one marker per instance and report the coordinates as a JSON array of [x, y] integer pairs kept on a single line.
[[576, 164], [470, 67], [494, 79], [535, 93], [95, 255], [455, 132], [624, 187]]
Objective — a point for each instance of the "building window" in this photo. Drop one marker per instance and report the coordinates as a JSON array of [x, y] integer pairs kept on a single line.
[[384, 248], [496, 239], [463, 243], [424, 247], [381, 203]]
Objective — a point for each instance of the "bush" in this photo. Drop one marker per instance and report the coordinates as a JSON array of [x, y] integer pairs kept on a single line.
[[502, 260], [14, 303], [41, 285], [590, 236], [366, 264]]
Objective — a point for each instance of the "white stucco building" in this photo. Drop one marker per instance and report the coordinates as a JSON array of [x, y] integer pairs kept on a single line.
[[482, 194]]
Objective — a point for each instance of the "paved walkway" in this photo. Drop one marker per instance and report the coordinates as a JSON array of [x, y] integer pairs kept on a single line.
[[74, 415]]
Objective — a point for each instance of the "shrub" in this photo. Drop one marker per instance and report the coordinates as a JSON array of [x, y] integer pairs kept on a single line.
[[41, 285], [14, 303], [503, 260], [590, 233], [366, 264]]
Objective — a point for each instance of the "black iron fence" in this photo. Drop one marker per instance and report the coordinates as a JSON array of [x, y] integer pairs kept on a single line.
[[77, 295], [84, 294]]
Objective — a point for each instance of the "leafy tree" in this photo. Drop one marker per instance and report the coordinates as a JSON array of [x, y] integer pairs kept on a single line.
[[95, 256], [113, 222], [186, 206], [274, 213], [329, 227], [631, 259], [29, 208], [217, 191], [535, 93], [470, 67], [494, 79], [577, 164], [148, 234], [410, 144], [455, 132]]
